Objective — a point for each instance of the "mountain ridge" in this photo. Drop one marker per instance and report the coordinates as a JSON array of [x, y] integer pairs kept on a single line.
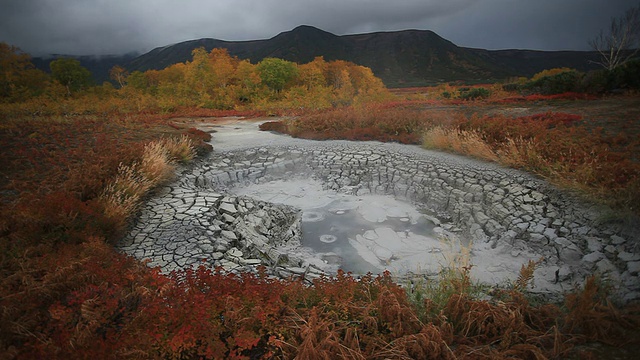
[[400, 58]]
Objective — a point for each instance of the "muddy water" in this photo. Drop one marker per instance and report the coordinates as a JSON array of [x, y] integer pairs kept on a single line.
[[360, 234], [335, 230]]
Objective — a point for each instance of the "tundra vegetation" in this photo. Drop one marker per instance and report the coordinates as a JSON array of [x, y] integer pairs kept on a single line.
[[78, 159]]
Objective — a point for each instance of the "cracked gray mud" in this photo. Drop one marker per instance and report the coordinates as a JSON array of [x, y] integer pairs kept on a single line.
[[413, 211]]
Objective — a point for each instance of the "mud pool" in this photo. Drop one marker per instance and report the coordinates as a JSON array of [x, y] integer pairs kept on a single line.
[[306, 208], [360, 234]]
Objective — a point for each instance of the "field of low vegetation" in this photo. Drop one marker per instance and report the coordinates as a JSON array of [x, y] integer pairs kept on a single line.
[[78, 160]]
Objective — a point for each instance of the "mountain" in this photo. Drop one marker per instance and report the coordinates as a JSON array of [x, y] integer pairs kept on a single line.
[[300, 45], [399, 58]]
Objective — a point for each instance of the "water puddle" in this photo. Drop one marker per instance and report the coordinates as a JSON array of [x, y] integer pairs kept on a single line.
[[360, 234]]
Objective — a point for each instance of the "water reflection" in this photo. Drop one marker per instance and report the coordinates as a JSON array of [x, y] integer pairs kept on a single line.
[[360, 234], [334, 230]]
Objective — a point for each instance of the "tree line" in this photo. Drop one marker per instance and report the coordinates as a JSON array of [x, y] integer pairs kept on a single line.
[[214, 80]]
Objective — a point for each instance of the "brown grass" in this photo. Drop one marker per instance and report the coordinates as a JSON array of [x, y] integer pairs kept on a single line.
[[466, 142], [122, 196], [520, 153], [179, 149]]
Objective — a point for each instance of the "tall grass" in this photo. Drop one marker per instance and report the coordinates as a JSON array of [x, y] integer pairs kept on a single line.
[[122, 196], [466, 142]]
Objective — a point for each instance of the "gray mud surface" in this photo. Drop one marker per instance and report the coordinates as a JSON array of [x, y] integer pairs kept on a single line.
[[414, 212]]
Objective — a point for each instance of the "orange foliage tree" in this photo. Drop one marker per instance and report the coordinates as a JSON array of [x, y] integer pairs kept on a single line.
[[19, 79]]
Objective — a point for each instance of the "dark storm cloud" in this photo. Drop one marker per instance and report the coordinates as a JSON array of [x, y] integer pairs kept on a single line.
[[540, 24], [118, 26]]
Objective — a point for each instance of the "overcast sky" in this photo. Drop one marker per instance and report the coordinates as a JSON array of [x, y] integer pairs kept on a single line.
[[97, 27]]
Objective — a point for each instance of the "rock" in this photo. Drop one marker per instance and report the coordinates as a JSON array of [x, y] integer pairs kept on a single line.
[[571, 254], [605, 267], [228, 208], [633, 267], [297, 270], [539, 228], [617, 240], [539, 239], [481, 218], [229, 235], [564, 273], [251, 262], [206, 247], [593, 257], [594, 244], [222, 247], [626, 256], [550, 233], [234, 253], [228, 265]]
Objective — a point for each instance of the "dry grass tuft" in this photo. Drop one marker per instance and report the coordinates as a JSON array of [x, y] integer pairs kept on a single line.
[[156, 164], [467, 142], [179, 149], [519, 153], [121, 197]]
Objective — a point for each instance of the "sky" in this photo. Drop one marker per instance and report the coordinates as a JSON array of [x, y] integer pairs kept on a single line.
[[101, 27]]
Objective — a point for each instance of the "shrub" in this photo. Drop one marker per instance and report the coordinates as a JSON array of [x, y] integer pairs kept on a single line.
[[627, 76], [568, 81], [512, 87], [550, 73], [277, 126], [475, 93], [597, 82]]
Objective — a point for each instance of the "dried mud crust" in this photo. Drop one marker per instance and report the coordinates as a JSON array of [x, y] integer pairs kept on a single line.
[[508, 216]]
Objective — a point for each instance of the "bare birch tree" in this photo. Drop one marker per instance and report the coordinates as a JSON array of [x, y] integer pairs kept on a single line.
[[621, 42]]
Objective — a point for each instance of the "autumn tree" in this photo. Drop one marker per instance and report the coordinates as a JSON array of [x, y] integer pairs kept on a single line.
[[198, 73], [70, 74], [217, 80], [621, 42], [248, 80], [223, 67], [119, 75], [277, 73], [138, 80], [19, 79], [312, 74]]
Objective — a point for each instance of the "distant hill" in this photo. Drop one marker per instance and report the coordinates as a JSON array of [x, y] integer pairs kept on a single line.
[[399, 58], [98, 65]]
